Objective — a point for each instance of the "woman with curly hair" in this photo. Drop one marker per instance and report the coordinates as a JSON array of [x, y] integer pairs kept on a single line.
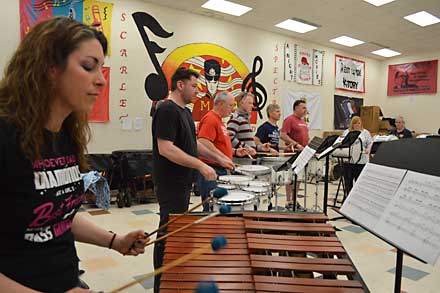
[[48, 89]]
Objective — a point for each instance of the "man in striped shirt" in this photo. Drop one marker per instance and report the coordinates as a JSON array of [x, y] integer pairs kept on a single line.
[[239, 127]]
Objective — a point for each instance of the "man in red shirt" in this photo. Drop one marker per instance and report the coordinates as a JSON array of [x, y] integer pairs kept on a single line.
[[212, 133], [295, 134]]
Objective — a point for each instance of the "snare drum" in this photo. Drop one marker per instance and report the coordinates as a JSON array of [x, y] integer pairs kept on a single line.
[[255, 170], [227, 186], [235, 179], [238, 200], [273, 161]]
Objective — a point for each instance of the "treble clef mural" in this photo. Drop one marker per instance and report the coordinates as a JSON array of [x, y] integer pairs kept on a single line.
[[251, 85], [156, 85]]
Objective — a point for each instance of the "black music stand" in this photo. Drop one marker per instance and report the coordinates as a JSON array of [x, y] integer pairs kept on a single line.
[[347, 142], [397, 154], [327, 143]]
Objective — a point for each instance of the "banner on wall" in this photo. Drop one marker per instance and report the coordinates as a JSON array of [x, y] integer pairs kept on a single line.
[[100, 111], [313, 101], [318, 65], [349, 74], [93, 13], [413, 78], [303, 65], [289, 67], [344, 108]]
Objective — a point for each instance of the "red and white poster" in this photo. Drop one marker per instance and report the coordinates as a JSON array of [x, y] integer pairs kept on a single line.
[[413, 78], [100, 111], [303, 65]]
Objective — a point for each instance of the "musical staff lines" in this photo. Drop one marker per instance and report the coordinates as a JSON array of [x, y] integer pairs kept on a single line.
[[372, 194], [413, 216]]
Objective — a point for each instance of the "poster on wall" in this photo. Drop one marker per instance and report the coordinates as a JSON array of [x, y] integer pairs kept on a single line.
[[289, 69], [318, 65], [313, 102], [413, 78], [100, 111], [303, 65], [349, 74], [344, 108], [94, 13]]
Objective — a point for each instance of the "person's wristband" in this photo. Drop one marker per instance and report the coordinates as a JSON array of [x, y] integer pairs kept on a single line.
[[111, 241]]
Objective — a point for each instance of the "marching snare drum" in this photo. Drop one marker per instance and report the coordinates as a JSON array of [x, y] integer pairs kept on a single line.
[[238, 200], [227, 186], [255, 170], [273, 161], [235, 179]]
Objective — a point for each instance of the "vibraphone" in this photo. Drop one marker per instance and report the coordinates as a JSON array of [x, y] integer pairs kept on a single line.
[[266, 252]]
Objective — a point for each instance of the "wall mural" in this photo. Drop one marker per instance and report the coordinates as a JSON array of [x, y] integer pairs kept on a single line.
[[92, 13], [219, 69]]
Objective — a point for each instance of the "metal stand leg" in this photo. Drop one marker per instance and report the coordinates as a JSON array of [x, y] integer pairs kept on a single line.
[[305, 186]]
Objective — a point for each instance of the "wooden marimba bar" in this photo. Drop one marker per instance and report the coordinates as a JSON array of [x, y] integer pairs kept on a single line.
[[266, 252]]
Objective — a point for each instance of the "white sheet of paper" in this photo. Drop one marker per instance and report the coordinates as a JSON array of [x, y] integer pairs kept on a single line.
[[302, 160], [138, 123], [127, 123], [412, 219], [324, 152], [371, 194]]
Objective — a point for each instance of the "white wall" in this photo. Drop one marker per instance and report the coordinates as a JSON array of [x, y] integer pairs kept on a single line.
[[245, 42]]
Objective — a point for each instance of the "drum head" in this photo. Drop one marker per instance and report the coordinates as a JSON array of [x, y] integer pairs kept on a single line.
[[237, 196], [255, 189], [226, 186], [253, 169], [257, 183], [235, 179]]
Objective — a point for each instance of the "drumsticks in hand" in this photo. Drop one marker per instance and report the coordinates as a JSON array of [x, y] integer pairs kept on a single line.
[[218, 193], [216, 244], [224, 209]]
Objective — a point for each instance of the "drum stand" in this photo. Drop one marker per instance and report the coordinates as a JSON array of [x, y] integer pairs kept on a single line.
[[315, 207]]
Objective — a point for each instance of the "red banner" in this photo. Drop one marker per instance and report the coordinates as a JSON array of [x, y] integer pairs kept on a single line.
[[413, 78], [100, 111]]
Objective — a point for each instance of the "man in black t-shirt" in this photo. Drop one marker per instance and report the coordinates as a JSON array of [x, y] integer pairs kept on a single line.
[[268, 132], [401, 131], [175, 153]]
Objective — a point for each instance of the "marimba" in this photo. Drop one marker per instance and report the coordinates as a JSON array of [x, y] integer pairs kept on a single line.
[[266, 252]]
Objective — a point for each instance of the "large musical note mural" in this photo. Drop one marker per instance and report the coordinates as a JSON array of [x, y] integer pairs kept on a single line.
[[251, 85], [219, 68], [94, 13]]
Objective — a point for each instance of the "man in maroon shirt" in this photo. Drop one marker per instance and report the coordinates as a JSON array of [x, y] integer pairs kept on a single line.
[[295, 134]]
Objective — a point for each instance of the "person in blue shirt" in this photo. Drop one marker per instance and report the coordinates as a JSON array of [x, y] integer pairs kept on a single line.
[[268, 132]]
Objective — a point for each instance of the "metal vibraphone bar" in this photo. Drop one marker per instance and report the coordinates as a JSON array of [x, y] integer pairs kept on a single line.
[[266, 252]]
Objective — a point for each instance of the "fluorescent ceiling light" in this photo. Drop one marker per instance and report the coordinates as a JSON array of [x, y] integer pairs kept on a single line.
[[422, 18], [296, 26], [378, 2], [347, 41], [227, 7], [386, 53]]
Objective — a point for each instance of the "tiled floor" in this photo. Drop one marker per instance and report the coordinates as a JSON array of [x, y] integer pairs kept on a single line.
[[375, 260]]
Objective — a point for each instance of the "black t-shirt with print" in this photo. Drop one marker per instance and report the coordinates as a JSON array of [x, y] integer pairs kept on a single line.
[[174, 123], [39, 200]]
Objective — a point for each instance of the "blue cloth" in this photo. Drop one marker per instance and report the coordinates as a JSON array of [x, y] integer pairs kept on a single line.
[[97, 184], [269, 133], [206, 186]]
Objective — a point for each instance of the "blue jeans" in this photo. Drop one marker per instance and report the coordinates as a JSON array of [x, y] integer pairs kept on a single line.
[[206, 186]]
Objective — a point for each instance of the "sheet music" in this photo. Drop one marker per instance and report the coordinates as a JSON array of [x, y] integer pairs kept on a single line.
[[371, 194], [302, 160], [412, 219]]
